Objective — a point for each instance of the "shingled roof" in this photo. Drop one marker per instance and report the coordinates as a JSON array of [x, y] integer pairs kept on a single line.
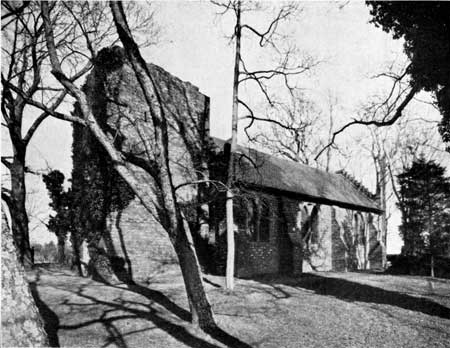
[[268, 172]]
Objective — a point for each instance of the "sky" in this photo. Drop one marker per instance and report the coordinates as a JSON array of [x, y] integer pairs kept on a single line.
[[194, 47]]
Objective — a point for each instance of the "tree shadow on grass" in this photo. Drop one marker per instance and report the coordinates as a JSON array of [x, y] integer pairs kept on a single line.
[[352, 291], [216, 332], [51, 320], [128, 312], [121, 309], [118, 309]]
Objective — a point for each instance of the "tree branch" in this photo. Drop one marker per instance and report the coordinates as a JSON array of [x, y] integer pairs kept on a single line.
[[42, 117], [44, 108], [5, 161], [14, 11], [6, 196], [89, 119], [265, 36], [376, 123]]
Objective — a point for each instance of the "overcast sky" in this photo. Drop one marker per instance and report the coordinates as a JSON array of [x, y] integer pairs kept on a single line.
[[194, 47]]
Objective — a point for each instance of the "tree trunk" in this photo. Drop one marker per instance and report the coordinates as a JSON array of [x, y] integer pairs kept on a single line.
[[384, 224], [76, 260], [234, 134], [22, 324], [432, 266], [202, 240], [381, 193], [229, 280], [166, 206], [169, 211], [366, 244], [61, 250], [19, 217], [201, 311], [100, 266]]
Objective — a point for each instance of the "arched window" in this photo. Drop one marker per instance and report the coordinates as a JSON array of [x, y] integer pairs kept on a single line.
[[355, 222], [264, 221], [252, 220], [359, 228], [314, 223], [259, 219], [240, 213], [304, 220], [362, 230]]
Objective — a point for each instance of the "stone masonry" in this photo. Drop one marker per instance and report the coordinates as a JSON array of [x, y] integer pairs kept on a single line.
[[133, 237]]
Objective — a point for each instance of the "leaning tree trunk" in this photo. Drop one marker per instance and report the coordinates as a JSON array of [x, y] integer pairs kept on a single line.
[[201, 311], [22, 324], [167, 203], [19, 217], [173, 222]]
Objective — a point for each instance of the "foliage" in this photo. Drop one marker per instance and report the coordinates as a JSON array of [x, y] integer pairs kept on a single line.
[[419, 265], [97, 188], [81, 28], [425, 204], [61, 202], [425, 28]]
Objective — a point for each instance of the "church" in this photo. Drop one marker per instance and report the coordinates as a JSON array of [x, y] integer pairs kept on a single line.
[[289, 218]]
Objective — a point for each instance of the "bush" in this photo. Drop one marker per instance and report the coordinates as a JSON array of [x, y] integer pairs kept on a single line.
[[419, 265]]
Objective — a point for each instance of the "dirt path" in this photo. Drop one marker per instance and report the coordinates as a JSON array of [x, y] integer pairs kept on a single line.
[[317, 310]]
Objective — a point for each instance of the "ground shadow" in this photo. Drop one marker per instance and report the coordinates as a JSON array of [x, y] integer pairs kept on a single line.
[[352, 291], [51, 320], [128, 311], [216, 332], [161, 299]]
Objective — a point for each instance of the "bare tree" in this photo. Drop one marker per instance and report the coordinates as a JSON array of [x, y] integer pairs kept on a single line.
[[158, 198], [80, 28], [394, 104], [287, 67], [164, 205], [392, 149], [168, 208], [303, 133]]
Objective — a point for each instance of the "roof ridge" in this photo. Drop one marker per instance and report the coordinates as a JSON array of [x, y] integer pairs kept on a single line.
[[274, 156], [325, 185], [357, 184]]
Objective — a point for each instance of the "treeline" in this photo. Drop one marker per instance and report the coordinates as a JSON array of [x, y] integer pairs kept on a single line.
[[419, 265], [424, 201], [48, 253]]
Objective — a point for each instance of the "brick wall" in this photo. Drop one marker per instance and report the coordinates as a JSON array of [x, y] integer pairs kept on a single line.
[[258, 257], [282, 253], [140, 241], [330, 250]]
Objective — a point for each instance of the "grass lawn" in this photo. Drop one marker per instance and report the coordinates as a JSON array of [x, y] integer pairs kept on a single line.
[[315, 310]]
